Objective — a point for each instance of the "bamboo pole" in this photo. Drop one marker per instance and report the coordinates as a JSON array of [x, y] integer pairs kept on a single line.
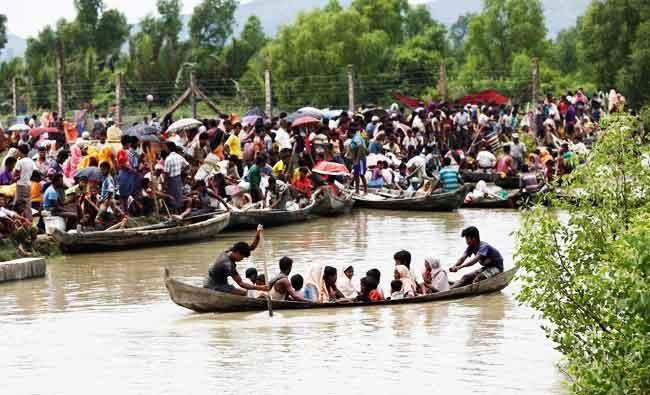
[[351, 104]]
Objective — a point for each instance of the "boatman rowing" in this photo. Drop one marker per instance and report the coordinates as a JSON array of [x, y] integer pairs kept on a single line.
[[488, 256], [226, 266]]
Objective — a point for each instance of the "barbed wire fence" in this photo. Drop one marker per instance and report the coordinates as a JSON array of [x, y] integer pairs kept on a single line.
[[130, 101]]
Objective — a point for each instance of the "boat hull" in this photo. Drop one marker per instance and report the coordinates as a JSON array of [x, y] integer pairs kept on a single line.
[[447, 201], [249, 219], [203, 300], [141, 237], [328, 205]]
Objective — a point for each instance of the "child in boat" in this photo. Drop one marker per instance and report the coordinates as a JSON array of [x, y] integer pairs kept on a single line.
[[367, 284], [297, 282], [251, 278], [375, 293], [396, 292]]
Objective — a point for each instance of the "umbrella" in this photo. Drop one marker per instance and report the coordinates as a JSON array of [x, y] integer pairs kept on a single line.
[[403, 128], [19, 127], [141, 130], [311, 112], [368, 113], [331, 169], [92, 173], [330, 114], [373, 159], [36, 132], [304, 121], [251, 119], [184, 124], [255, 111]]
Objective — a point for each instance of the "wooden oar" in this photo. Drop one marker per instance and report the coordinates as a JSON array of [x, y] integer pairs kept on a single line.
[[269, 304]]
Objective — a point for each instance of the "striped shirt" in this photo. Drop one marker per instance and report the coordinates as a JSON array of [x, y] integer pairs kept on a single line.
[[174, 164], [449, 178]]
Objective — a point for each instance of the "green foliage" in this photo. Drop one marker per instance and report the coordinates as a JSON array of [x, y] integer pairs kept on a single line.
[[3, 31], [586, 268], [211, 23]]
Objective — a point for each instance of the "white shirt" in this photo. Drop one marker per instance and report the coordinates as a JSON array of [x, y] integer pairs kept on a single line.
[[26, 167], [282, 138], [486, 159]]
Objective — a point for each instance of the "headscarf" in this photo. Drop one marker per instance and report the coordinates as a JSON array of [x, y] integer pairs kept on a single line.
[[408, 285], [12, 153], [345, 285], [106, 155], [439, 279], [70, 165], [91, 152]]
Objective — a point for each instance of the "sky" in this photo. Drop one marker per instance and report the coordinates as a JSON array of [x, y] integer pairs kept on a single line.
[[25, 18]]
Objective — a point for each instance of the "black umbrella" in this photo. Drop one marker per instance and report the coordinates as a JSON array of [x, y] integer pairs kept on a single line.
[[255, 111], [141, 130], [92, 173]]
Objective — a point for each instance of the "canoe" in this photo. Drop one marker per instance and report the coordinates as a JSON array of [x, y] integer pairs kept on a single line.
[[203, 300], [490, 203], [249, 219], [139, 237], [446, 201], [328, 205]]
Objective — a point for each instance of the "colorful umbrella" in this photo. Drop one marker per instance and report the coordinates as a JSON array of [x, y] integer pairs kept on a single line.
[[305, 121], [20, 127], [184, 124], [311, 112], [36, 132], [331, 169], [92, 173]]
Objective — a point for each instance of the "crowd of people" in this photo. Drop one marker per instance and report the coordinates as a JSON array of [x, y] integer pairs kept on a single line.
[[325, 284], [96, 174]]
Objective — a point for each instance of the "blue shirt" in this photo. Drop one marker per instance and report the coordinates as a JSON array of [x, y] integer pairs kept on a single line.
[[449, 178], [108, 186], [50, 198], [489, 256]]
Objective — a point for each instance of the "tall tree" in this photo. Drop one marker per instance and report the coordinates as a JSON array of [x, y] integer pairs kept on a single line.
[[211, 23], [3, 31], [170, 23], [386, 15], [417, 20], [240, 51]]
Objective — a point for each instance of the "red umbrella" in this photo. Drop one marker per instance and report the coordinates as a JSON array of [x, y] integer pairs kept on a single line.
[[331, 169], [484, 97], [36, 132], [304, 121]]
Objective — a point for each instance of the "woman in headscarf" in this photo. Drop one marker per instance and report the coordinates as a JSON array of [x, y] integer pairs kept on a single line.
[[434, 276], [408, 285], [91, 152], [320, 285], [71, 164], [106, 155], [314, 284], [345, 285]]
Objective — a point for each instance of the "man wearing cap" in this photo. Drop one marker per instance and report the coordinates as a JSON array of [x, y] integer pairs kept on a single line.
[[226, 266]]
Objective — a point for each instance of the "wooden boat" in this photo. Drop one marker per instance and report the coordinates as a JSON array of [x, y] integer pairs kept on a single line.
[[328, 205], [250, 218], [143, 236], [492, 202], [205, 300], [446, 201]]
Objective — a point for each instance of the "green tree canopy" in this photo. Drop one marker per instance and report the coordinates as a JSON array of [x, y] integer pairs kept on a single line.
[[3, 31], [211, 23]]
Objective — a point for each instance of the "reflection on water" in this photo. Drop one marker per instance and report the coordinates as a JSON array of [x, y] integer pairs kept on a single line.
[[103, 323]]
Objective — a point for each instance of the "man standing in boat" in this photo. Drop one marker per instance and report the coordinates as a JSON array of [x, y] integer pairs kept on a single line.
[[226, 266], [488, 256]]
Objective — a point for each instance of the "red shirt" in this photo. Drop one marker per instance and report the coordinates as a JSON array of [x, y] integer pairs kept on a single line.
[[303, 185]]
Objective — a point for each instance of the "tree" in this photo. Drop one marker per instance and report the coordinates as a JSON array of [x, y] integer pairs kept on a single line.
[[586, 271], [112, 31], [240, 51], [565, 50], [386, 15], [211, 23], [170, 23], [3, 31], [417, 20], [458, 31]]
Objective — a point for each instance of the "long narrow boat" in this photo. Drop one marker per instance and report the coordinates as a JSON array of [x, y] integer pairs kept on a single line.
[[489, 203], [144, 236], [511, 182], [249, 219], [205, 300], [446, 201], [329, 205]]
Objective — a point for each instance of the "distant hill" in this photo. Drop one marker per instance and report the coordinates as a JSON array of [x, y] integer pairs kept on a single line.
[[559, 14]]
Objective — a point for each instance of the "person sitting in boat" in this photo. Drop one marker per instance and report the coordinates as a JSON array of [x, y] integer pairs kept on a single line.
[[409, 287], [488, 256], [345, 284], [225, 266], [396, 290], [279, 194], [434, 277], [251, 279], [367, 285], [485, 159], [375, 293], [297, 282], [506, 166], [448, 178], [302, 184], [280, 287], [403, 257]]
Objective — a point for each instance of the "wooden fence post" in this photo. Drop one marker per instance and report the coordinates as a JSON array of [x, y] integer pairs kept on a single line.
[[535, 88], [268, 93], [193, 93], [351, 105], [60, 71], [442, 83], [15, 97], [118, 99]]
